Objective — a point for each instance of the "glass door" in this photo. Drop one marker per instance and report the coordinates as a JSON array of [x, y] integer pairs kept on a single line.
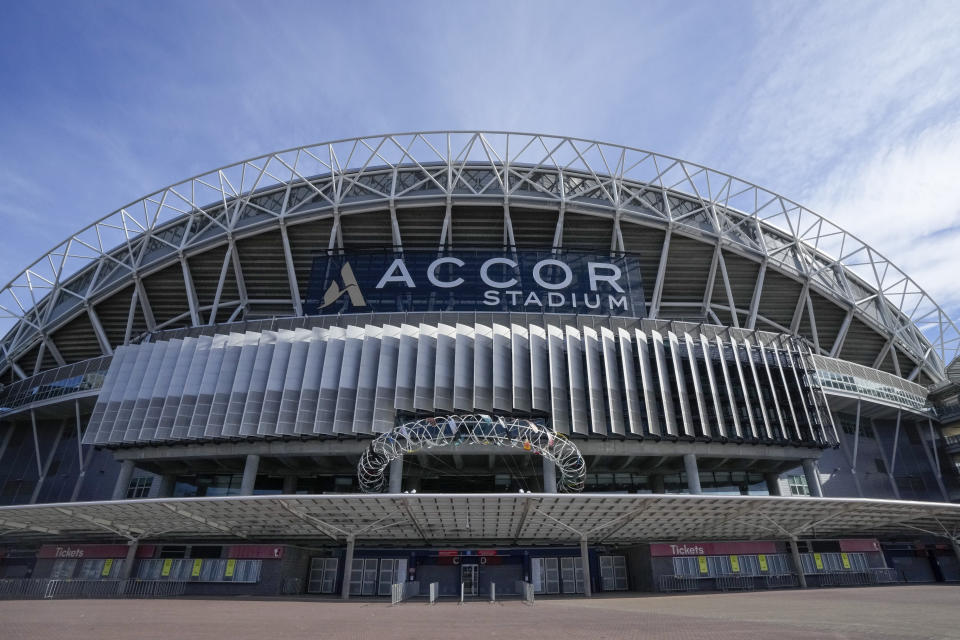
[[468, 576]]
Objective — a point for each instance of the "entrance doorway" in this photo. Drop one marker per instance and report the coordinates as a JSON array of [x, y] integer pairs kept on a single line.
[[469, 578]]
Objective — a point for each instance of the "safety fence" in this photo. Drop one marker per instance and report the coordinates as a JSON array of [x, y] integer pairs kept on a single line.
[[525, 589], [42, 588], [676, 583], [403, 591]]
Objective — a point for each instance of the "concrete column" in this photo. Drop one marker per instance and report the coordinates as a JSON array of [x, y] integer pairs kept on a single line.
[[165, 485], [347, 568], [813, 477], [289, 485], [549, 476], [250, 468], [127, 569], [693, 474], [773, 483], [396, 476], [585, 559], [798, 565], [123, 480], [656, 483]]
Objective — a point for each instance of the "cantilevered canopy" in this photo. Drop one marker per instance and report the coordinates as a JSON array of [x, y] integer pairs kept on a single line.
[[473, 518]]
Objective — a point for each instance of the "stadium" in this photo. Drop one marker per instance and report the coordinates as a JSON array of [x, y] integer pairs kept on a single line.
[[465, 363]]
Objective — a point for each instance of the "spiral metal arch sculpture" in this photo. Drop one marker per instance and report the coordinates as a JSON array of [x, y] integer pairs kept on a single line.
[[478, 429]]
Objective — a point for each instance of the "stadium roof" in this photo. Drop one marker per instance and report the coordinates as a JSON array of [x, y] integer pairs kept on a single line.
[[498, 168], [472, 518]]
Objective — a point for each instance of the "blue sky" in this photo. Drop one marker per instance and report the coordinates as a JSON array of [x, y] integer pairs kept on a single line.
[[851, 108]]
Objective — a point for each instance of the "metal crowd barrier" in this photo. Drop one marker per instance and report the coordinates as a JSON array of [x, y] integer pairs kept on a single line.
[[843, 579], [735, 583], [403, 591], [43, 588], [525, 589], [781, 581], [884, 576], [670, 583]]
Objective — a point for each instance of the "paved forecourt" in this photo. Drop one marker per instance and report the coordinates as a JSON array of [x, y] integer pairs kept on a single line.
[[881, 613]]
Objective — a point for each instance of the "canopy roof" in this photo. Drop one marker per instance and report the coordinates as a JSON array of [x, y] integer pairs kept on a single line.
[[473, 518]]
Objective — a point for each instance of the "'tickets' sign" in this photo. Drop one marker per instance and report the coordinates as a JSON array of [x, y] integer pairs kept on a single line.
[[78, 551], [711, 548], [477, 280]]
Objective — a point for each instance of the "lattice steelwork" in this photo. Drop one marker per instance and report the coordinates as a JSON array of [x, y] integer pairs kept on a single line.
[[67, 306], [477, 429]]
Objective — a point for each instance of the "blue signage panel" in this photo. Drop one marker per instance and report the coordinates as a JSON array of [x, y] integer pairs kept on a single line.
[[476, 280]]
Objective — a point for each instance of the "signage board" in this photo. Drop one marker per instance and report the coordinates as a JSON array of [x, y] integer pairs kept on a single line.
[[711, 548], [92, 551], [702, 561], [762, 560], [735, 564], [476, 280], [860, 544]]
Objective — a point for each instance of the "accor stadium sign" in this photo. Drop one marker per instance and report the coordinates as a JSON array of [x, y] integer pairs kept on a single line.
[[518, 281]]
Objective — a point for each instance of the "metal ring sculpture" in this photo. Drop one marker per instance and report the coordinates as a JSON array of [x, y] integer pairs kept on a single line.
[[480, 429]]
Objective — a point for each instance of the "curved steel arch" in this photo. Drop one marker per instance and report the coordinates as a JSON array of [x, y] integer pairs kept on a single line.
[[478, 429], [621, 181]]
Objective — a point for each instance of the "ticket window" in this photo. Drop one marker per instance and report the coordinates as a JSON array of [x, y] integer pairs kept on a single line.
[[63, 569]]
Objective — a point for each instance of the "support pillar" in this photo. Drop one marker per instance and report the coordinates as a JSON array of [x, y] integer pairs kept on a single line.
[[657, 484], [250, 468], [289, 485], [813, 477], [127, 569], [165, 485], [956, 548], [549, 476], [797, 563], [585, 560], [123, 480], [347, 568], [693, 473], [396, 476], [773, 483]]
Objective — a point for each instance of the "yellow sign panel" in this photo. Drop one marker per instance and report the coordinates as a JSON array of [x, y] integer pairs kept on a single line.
[[196, 567], [231, 565], [107, 565], [703, 563], [735, 564], [845, 559], [818, 560], [762, 559], [165, 570]]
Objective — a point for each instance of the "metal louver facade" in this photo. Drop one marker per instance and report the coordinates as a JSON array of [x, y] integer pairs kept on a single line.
[[605, 379]]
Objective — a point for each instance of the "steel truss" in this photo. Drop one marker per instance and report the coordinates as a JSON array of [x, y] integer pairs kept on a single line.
[[390, 171], [476, 429]]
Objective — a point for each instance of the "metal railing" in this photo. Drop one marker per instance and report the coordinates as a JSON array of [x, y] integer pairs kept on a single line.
[[843, 579], [85, 376], [781, 581], [403, 591], [884, 576], [672, 583], [291, 586], [43, 588], [735, 583]]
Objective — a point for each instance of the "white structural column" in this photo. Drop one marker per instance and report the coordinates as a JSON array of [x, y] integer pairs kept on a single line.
[[127, 569], [693, 473], [585, 560], [549, 476], [396, 476], [797, 563], [123, 480], [813, 477], [347, 568], [249, 480]]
